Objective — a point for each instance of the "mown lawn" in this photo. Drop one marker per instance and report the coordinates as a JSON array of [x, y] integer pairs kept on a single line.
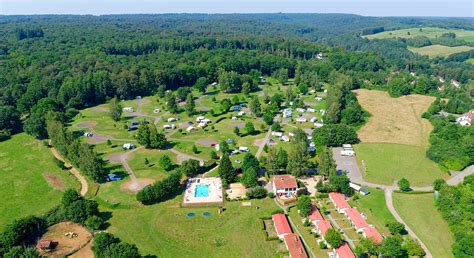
[[387, 163], [421, 215], [374, 208], [439, 50], [429, 32], [31, 183], [165, 230]]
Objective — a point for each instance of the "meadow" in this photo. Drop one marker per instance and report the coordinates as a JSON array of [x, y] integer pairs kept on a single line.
[[470, 60], [421, 215], [31, 182], [429, 32], [394, 120], [439, 50], [387, 163]]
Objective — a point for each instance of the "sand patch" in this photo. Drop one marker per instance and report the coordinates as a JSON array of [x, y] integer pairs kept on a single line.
[[136, 185], [206, 142], [115, 157], [54, 180], [240, 125], [86, 124], [98, 138], [85, 252], [203, 108], [66, 245]]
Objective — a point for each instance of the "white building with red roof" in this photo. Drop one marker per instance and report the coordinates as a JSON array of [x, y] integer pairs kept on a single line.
[[294, 246], [284, 186], [281, 225], [373, 234], [315, 215], [322, 226], [465, 119], [343, 251], [339, 202], [356, 220]]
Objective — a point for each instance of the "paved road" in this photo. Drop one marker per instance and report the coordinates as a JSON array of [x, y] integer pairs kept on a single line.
[[126, 166], [74, 171], [262, 144]]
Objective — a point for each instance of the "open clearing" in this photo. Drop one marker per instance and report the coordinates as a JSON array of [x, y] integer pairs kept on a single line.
[[394, 120], [429, 32], [439, 50], [470, 60], [66, 245], [30, 181], [421, 215], [387, 163]]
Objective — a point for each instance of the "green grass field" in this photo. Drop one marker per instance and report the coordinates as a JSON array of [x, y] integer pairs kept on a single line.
[[31, 183], [439, 50], [421, 215], [387, 163], [373, 206], [470, 60], [165, 230], [429, 32]]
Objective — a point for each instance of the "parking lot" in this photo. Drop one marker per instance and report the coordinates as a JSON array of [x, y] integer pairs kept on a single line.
[[348, 164]]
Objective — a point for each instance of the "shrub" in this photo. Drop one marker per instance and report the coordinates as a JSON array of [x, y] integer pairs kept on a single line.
[[322, 245], [94, 222], [257, 192], [271, 195], [404, 184]]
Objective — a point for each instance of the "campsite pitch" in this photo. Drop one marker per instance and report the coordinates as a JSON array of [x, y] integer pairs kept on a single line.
[[66, 244]]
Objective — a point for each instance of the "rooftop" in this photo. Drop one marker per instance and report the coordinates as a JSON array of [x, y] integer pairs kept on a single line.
[[356, 218], [281, 224], [344, 251], [373, 233], [294, 245], [323, 226], [339, 200], [284, 181], [315, 215]]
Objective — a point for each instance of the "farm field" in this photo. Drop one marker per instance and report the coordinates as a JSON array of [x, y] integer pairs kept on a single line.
[[421, 215], [439, 50], [429, 32], [31, 182], [165, 229], [394, 120], [374, 208], [387, 163]]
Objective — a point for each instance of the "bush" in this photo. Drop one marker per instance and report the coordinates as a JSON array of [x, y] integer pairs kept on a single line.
[[307, 223], [404, 184], [59, 163], [94, 223], [322, 245], [277, 211], [257, 192], [271, 195]]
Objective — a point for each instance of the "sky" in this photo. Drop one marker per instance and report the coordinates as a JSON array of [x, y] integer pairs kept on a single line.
[[444, 8]]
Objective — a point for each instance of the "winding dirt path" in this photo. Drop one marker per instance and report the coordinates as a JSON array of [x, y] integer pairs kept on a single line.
[[74, 171]]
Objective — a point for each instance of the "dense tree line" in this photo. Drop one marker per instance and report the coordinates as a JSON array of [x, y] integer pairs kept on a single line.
[[455, 204], [149, 136], [79, 153], [452, 145], [107, 245], [160, 190]]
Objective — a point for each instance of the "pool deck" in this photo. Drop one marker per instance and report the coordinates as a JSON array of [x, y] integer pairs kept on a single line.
[[216, 195]]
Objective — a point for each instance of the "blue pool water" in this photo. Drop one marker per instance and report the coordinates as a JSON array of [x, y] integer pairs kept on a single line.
[[201, 191]]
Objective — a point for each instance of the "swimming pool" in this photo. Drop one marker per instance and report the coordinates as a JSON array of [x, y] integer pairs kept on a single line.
[[201, 191]]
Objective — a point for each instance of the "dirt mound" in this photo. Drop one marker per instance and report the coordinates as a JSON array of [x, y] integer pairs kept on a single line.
[[206, 142], [64, 244], [86, 124], [136, 185], [54, 181], [115, 157], [99, 138]]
